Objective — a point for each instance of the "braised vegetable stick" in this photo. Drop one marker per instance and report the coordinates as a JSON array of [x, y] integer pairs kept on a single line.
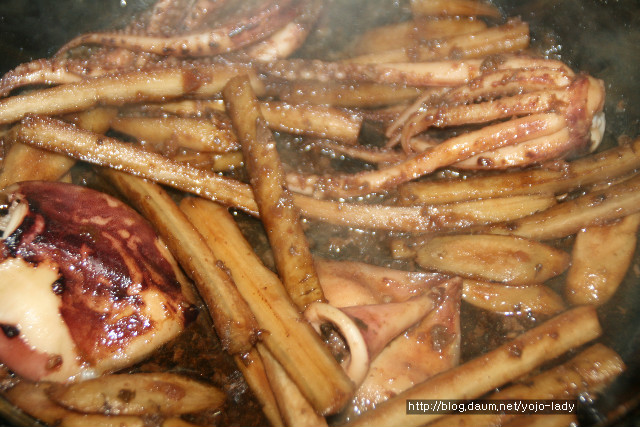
[[408, 34], [567, 218], [493, 369], [508, 38], [232, 318], [149, 393], [280, 217], [195, 134], [600, 259], [296, 410], [289, 338], [254, 372], [82, 420], [422, 219], [508, 259], [24, 163], [545, 420], [496, 297], [151, 85], [590, 370], [453, 8], [588, 170], [362, 95], [319, 121], [313, 120], [61, 137], [55, 135], [32, 398]]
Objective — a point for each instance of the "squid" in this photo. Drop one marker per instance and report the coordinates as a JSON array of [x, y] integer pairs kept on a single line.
[[86, 287], [176, 34], [520, 130], [399, 327]]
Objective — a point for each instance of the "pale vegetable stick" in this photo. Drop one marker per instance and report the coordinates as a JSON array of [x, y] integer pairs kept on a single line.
[[409, 33], [186, 107], [508, 38], [296, 410], [232, 318], [211, 161], [61, 137], [546, 420], [537, 299], [336, 94], [280, 217], [312, 120], [362, 152], [508, 259], [421, 74], [299, 119], [291, 340], [138, 394], [588, 371], [567, 218], [96, 120], [195, 134], [138, 86], [453, 8], [600, 259], [585, 171], [414, 219], [95, 420], [493, 369], [33, 399], [24, 163], [254, 373]]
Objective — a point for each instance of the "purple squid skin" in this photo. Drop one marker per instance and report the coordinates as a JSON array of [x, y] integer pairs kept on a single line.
[[107, 255]]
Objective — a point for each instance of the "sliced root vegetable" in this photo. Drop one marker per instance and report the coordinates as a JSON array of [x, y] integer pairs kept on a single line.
[[254, 372], [312, 120], [508, 259], [600, 259], [33, 399], [290, 339], [364, 95], [588, 371], [99, 420], [235, 325], [508, 38], [150, 85], [545, 420], [585, 171], [409, 33], [279, 215], [417, 219], [567, 218], [178, 132], [493, 369], [294, 407], [61, 137], [23, 162], [537, 299], [138, 394], [454, 8]]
